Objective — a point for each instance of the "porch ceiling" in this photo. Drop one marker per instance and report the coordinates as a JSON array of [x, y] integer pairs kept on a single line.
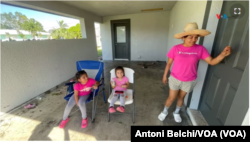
[[110, 8]]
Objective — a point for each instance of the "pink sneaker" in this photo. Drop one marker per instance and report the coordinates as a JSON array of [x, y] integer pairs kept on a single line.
[[84, 123], [63, 123], [120, 108], [111, 110]]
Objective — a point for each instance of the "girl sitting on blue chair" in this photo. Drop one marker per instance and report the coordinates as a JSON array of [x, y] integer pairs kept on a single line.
[[82, 90]]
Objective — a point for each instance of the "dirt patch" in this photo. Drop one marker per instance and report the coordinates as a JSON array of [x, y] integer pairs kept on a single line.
[[51, 123], [57, 93], [48, 92], [2, 134]]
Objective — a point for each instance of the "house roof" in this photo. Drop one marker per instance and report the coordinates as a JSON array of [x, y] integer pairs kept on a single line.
[[14, 32]]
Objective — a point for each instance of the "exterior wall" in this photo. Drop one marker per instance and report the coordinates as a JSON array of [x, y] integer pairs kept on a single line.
[[149, 34], [182, 13], [30, 68], [246, 119], [2, 36]]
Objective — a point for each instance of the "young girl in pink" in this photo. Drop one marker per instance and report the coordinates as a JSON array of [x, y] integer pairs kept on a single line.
[[119, 84], [82, 90]]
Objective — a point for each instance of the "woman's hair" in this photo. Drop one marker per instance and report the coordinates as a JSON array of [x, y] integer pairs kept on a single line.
[[185, 36], [120, 68], [79, 74], [188, 35]]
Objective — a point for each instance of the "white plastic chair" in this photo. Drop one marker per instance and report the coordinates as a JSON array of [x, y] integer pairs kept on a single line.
[[129, 73]]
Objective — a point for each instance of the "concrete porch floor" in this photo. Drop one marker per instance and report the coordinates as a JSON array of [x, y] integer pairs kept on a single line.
[[41, 123]]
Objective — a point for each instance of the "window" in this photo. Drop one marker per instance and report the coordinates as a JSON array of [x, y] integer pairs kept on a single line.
[[20, 24]]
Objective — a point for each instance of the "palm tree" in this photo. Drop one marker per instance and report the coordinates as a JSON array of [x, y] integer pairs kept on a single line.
[[55, 33], [62, 28], [21, 34], [60, 32], [62, 25]]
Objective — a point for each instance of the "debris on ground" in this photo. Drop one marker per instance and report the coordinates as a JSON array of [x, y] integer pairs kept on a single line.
[[47, 92], [144, 65], [57, 93], [29, 106]]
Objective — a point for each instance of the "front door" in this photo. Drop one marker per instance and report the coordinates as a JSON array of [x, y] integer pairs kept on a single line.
[[222, 80], [120, 30]]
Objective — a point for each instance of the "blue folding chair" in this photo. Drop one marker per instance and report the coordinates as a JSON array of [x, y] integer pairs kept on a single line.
[[95, 70]]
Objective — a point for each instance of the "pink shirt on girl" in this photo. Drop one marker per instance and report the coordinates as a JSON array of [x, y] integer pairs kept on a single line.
[[119, 83], [86, 88], [185, 61]]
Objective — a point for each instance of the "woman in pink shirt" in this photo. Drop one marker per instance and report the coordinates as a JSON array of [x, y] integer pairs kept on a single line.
[[184, 58]]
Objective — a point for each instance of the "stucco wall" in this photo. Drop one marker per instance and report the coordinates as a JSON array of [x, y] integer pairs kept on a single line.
[[149, 34], [29, 68]]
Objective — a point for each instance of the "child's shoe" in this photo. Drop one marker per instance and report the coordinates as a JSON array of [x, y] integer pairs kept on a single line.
[[63, 123], [84, 123], [29, 106], [120, 108], [111, 110]]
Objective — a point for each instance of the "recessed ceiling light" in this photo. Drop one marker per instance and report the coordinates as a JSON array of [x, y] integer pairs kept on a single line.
[[144, 10]]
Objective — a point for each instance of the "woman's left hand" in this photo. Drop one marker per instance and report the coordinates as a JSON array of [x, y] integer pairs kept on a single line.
[[226, 51], [124, 86], [95, 86]]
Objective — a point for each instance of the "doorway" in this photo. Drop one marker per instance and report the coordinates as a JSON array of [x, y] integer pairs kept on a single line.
[[222, 93], [120, 32]]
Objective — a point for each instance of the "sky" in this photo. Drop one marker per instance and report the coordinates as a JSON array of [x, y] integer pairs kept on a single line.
[[49, 21]]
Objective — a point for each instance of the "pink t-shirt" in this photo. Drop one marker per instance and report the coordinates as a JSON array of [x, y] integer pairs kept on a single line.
[[119, 83], [86, 88], [185, 61]]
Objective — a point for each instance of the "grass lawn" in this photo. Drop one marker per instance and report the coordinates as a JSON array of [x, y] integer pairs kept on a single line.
[[99, 52]]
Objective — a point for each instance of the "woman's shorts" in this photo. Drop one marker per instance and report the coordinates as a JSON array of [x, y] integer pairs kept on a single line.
[[176, 84]]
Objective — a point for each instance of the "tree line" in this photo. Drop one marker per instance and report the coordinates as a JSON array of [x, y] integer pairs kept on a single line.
[[18, 21]]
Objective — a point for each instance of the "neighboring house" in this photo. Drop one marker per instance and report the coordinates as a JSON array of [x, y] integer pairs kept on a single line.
[[13, 34]]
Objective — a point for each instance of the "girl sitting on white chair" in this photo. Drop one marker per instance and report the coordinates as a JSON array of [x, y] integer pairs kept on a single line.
[[119, 84]]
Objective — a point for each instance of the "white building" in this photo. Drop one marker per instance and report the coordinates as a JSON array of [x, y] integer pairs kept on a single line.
[[13, 34]]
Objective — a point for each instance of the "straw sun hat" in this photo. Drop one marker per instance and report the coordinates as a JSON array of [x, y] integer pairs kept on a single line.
[[192, 29]]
